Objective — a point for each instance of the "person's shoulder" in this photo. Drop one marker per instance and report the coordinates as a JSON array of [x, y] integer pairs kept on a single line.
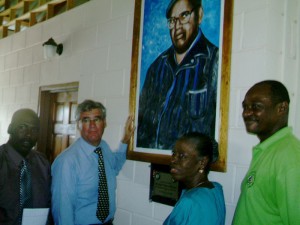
[[41, 156], [108, 151], [295, 139], [197, 193], [217, 184], [195, 197], [284, 149], [203, 42], [285, 137], [70, 153], [294, 143], [104, 144], [2, 154], [162, 56], [66, 155], [218, 189], [2, 149], [189, 196], [65, 158], [290, 146], [167, 52]]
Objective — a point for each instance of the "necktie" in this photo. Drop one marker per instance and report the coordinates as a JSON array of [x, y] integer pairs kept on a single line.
[[103, 202], [25, 188]]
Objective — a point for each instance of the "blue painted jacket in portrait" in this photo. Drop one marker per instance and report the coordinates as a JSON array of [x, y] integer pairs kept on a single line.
[[178, 98]]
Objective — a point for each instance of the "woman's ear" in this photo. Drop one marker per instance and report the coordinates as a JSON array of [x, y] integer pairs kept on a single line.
[[203, 163]]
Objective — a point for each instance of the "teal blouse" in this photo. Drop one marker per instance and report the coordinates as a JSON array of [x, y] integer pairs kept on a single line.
[[199, 206]]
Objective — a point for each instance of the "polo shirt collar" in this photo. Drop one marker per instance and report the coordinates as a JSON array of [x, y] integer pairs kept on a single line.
[[277, 136]]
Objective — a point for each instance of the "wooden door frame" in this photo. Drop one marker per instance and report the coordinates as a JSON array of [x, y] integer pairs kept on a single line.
[[46, 111]]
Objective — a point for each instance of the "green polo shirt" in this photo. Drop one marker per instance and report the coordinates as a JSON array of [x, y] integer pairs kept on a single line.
[[270, 191]]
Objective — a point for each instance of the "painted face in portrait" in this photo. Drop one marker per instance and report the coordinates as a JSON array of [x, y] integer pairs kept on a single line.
[[186, 21], [91, 126]]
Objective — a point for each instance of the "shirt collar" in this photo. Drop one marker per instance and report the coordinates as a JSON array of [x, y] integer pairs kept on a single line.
[[276, 136], [15, 156], [88, 148]]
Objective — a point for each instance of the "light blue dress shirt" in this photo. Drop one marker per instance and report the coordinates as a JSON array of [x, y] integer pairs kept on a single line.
[[75, 182]]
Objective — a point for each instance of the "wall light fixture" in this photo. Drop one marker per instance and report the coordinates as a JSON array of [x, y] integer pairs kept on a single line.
[[51, 48]]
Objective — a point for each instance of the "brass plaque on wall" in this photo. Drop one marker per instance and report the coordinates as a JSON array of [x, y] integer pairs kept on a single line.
[[163, 188]]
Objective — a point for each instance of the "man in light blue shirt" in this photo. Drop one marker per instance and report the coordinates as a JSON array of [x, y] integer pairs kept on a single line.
[[75, 170]]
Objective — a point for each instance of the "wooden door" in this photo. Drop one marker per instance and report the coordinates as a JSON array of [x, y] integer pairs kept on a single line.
[[57, 109], [64, 132]]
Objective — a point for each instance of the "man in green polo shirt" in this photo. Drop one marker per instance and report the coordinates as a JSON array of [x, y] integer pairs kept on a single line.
[[270, 189]]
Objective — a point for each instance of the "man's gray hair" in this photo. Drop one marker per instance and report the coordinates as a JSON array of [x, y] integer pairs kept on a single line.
[[88, 105]]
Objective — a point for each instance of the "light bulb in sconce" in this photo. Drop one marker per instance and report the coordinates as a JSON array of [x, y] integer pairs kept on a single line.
[[51, 48]]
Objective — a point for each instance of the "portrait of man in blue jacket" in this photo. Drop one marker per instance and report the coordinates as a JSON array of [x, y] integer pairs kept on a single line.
[[179, 93]]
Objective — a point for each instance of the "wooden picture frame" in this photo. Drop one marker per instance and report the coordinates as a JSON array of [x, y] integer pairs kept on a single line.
[[223, 85]]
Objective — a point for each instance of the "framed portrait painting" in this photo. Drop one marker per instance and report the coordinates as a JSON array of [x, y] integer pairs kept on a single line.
[[180, 75]]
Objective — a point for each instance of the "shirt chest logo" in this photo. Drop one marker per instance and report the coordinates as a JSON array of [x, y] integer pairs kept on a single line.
[[250, 179]]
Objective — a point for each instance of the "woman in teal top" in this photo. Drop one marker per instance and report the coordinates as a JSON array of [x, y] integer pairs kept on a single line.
[[202, 201]]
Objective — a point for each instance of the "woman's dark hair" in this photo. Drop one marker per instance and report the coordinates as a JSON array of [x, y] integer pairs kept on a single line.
[[204, 145]]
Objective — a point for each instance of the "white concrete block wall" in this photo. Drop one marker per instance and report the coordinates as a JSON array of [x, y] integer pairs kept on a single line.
[[97, 39], [291, 60]]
